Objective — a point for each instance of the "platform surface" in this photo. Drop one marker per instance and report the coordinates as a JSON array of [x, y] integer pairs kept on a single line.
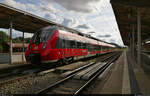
[[125, 77], [7, 65]]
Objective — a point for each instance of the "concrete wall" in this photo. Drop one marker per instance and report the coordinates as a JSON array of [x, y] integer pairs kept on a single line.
[[145, 58], [4, 58], [16, 58]]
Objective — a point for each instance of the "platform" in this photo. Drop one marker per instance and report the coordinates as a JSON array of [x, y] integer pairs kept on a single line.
[[7, 65], [125, 77], [17, 60]]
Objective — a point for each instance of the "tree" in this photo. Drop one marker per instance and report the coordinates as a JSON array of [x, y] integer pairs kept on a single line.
[[3, 38], [1, 48], [17, 40], [26, 40]]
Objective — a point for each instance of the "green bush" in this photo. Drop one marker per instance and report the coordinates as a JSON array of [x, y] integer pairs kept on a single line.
[[1, 48], [3, 37]]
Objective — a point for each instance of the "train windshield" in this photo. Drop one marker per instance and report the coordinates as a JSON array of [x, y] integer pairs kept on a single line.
[[43, 35]]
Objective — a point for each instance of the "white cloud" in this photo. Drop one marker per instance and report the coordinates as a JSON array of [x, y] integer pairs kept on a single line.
[[77, 5], [14, 4], [85, 28], [84, 15]]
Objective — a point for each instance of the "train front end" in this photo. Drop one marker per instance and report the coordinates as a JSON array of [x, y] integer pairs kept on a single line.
[[39, 47]]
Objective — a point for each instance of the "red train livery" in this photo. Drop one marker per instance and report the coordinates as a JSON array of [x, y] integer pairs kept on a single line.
[[52, 44]]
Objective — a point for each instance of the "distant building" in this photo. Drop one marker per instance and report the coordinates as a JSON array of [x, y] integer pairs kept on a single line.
[[17, 47], [146, 46]]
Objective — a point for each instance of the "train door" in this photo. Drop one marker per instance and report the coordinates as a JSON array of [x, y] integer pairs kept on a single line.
[[101, 49], [72, 46], [63, 48], [59, 47], [76, 48]]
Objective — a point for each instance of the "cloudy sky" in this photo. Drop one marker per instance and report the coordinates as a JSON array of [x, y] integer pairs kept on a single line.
[[94, 17]]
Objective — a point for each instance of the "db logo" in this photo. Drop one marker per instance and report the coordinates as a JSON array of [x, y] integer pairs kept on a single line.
[[36, 47]]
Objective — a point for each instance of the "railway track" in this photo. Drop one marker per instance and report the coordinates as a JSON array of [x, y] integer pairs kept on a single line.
[[33, 75], [72, 83], [12, 72]]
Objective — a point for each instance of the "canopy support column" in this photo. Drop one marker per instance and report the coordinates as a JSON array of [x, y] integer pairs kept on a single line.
[[133, 41], [130, 41], [23, 48], [10, 50], [139, 37]]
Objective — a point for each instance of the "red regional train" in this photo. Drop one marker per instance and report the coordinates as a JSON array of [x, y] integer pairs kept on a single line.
[[54, 44]]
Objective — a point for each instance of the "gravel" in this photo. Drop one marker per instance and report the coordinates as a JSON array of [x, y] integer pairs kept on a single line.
[[33, 83], [29, 85]]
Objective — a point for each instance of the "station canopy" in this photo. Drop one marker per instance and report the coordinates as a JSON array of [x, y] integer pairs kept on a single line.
[[24, 21], [126, 16], [27, 22]]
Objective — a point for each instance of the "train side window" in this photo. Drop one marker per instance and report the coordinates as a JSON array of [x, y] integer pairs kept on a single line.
[[63, 43], [95, 47], [84, 45], [75, 44], [98, 47], [72, 44], [68, 44], [106, 47], [78, 45], [102, 48], [91, 47], [81, 45], [58, 43], [88, 47]]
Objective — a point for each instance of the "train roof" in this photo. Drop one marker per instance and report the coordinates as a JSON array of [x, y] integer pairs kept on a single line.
[[80, 37], [84, 39]]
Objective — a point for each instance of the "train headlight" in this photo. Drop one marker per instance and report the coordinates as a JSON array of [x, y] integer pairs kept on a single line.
[[44, 45], [59, 52]]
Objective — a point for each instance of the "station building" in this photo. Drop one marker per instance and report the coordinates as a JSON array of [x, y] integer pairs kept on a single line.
[[17, 47]]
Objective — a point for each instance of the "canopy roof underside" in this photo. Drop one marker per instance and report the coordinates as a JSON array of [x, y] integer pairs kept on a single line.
[[24, 21], [126, 16], [27, 22]]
